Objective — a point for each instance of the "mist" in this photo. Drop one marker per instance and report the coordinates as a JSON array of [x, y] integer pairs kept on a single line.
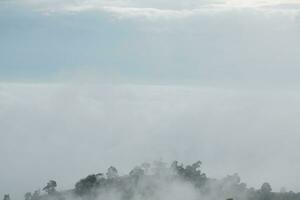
[[66, 131]]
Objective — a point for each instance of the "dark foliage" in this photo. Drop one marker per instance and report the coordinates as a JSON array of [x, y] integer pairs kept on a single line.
[[145, 180]]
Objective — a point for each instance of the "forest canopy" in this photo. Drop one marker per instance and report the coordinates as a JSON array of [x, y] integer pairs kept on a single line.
[[159, 181]]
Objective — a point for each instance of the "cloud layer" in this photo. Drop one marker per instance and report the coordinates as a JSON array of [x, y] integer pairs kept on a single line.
[[236, 47], [165, 8]]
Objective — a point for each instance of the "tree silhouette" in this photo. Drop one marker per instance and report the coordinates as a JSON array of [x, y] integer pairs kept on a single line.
[[28, 196], [112, 173], [50, 187], [6, 197]]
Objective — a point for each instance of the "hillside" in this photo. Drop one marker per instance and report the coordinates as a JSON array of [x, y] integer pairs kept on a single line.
[[160, 182]]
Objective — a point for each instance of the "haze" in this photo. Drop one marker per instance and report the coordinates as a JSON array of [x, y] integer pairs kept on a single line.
[[87, 84]]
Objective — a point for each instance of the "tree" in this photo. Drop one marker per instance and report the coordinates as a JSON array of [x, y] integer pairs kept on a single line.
[[178, 169], [192, 173], [28, 196], [266, 188], [265, 191], [141, 185], [112, 173], [85, 185], [6, 197], [137, 172], [50, 187], [36, 195]]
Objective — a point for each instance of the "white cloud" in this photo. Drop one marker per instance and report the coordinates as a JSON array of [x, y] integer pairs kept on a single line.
[[233, 47], [153, 9]]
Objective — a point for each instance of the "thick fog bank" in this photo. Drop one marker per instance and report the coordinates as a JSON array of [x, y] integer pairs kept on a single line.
[[64, 132]]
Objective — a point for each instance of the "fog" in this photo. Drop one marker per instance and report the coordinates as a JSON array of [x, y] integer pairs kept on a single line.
[[66, 131]]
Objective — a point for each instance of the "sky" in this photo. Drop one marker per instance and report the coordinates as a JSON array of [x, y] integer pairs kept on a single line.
[[85, 84]]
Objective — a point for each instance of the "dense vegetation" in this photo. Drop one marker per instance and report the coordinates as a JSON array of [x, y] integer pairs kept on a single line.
[[159, 182]]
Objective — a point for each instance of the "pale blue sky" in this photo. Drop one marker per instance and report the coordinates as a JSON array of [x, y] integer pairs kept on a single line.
[[150, 41]]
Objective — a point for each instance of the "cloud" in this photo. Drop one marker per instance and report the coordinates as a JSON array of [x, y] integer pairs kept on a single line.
[[154, 9], [242, 46], [149, 13]]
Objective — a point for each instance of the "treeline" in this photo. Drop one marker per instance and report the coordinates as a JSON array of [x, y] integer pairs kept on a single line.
[[158, 181]]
